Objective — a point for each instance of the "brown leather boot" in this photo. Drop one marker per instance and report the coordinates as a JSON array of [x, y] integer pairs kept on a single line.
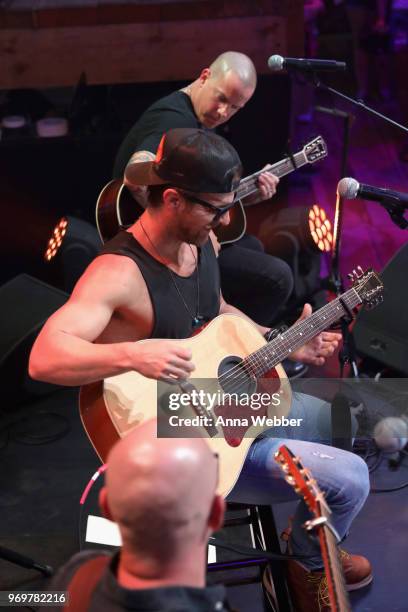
[[308, 590], [356, 568]]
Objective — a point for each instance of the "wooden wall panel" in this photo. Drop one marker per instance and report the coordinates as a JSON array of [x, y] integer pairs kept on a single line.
[[141, 52]]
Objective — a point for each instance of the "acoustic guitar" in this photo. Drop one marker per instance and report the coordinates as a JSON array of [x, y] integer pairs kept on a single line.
[[235, 369], [305, 485], [116, 207]]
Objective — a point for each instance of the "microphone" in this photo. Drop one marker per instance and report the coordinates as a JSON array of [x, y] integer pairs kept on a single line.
[[277, 62], [391, 434], [350, 189]]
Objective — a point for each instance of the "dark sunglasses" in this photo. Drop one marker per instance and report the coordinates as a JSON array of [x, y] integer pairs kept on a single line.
[[218, 212]]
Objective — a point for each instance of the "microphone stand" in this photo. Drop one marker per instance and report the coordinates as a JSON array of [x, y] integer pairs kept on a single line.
[[394, 211], [335, 282], [347, 354], [18, 559], [360, 103], [341, 427], [340, 408]]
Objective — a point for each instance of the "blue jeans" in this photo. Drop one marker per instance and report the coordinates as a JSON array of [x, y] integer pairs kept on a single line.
[[342, 476]]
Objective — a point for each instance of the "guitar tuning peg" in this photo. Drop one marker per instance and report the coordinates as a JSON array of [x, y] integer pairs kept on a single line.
[[360, 271], [353, 276]]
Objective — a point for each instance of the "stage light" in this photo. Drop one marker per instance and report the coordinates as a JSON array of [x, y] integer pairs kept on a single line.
[[320, 228], [309, 226], [74, 243], [300, 236], [56, 239]]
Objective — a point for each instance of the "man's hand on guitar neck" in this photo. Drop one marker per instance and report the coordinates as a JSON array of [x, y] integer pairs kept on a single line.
[[319, 348], [267, 184]]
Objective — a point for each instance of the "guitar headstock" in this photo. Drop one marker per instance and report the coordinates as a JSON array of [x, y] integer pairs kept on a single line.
[[302, 481], [368, 286], [315, 149]]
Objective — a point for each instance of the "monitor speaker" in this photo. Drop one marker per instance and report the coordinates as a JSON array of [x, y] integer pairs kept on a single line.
[[382, 333], [25, 305]]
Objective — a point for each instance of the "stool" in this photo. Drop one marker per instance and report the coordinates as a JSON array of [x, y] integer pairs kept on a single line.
[[264, 535]]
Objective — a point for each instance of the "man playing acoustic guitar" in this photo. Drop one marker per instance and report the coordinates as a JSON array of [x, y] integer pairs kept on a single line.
[[159, 279]]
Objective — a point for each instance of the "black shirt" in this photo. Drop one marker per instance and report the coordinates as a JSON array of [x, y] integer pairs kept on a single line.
[[176, 300], [109, 596], [173, 111]]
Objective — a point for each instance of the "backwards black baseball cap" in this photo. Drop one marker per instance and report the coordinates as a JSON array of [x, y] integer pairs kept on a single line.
[[191, 159]]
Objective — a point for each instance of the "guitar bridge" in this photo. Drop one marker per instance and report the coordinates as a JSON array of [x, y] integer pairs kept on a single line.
[[200, 410]]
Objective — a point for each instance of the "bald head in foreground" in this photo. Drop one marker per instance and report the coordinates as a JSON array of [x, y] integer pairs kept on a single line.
[[162, 494]]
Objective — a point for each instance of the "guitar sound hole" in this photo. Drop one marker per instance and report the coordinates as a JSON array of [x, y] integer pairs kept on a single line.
[[234, 378], [236, 383]]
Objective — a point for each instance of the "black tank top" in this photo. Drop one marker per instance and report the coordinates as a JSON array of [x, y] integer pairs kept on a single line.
[[171, 319]]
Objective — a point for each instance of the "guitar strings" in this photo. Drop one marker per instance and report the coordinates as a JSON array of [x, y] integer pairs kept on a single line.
[[259, 358], [303, 328], [234, 373], [249, 184], [285, 340], [260, 362], [350, 296]]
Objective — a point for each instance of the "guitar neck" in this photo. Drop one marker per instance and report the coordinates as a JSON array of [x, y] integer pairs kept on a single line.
[[249, 184], [279, 348], [339, 601]]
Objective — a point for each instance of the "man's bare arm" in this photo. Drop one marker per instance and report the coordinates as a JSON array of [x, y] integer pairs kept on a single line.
[[65, 351]]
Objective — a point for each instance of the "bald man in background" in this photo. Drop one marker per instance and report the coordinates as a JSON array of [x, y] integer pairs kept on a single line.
[[162, 494]]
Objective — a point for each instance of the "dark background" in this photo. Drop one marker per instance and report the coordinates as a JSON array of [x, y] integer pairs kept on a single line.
[[42, 179]]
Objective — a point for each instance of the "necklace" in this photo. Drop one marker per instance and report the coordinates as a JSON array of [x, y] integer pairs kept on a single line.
[[197, 319]]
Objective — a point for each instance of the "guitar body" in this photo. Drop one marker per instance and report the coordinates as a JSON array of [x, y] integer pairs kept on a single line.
[[115, 208], [111, 409], [232, 359]]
